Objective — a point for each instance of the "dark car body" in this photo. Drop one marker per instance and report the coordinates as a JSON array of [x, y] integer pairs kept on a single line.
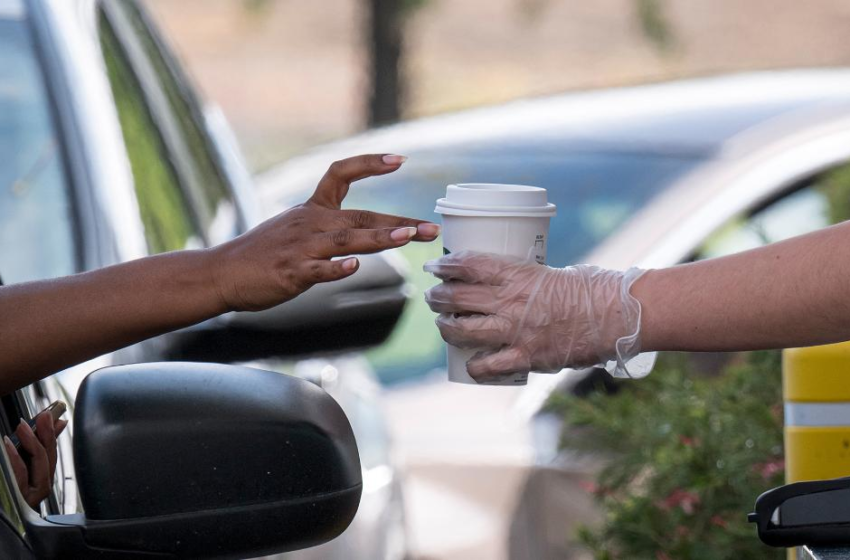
[[110, 156]]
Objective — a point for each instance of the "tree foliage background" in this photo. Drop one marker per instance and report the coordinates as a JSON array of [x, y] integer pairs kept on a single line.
[[686, 458]]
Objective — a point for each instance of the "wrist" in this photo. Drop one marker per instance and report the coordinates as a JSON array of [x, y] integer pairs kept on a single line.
[[645, 291], [212, 262]]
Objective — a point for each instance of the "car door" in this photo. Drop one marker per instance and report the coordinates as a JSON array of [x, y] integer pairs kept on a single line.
[[182, 197]]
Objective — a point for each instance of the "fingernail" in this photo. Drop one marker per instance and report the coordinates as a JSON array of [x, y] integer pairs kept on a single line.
[[403, 234], [349, 264], [392, 159], [8, 441], [428, 230]]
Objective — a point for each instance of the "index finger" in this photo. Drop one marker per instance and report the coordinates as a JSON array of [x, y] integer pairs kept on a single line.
[[334, 185], [364, 219], [18, 465]]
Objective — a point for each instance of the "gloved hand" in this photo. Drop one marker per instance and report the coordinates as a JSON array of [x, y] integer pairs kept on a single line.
[[529, 317]]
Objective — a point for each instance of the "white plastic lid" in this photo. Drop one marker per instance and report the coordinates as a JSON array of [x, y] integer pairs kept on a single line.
[[493, 199]]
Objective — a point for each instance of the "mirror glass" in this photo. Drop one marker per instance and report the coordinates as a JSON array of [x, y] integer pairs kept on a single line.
[[820, 508]]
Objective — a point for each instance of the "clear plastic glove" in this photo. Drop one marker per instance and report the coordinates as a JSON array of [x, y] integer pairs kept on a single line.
[[529, 317]]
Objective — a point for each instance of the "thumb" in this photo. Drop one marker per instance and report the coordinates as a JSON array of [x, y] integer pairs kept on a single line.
[[18, 465]]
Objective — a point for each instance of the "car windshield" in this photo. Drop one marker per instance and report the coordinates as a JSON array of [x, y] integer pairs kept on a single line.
[[595, 192], [36, 236]]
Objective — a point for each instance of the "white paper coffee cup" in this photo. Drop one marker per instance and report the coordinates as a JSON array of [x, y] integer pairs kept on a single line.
[[493, 218]]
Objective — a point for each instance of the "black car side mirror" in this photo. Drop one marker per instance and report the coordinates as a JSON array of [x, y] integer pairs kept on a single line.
[[813, 512], [183, 460]]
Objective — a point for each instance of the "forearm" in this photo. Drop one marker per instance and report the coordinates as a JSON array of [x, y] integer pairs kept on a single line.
[[793, 293], [49, 325]]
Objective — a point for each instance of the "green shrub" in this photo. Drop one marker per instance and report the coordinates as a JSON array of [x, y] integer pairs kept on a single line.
[[686, 458]]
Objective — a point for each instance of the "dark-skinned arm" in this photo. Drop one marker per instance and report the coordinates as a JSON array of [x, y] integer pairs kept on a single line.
[[49, 325]]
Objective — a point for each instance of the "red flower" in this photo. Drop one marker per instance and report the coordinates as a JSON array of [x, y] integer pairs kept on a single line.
[[595, 489], [682, 532], [689, 442], [687, 501], [589, 487], [659, 555], [769, 469], [718, 521]]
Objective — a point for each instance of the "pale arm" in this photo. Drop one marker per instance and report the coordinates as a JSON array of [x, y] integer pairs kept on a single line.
[[526, 317], [788, 294]]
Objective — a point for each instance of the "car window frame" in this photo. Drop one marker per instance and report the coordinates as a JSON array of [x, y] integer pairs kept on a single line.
[[165, 120], [47, 70], [778, 196], [86, 229], [196, 108], [156, 108]]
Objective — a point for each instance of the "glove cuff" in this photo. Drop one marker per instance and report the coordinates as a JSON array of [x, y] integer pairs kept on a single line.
[[629, 362]]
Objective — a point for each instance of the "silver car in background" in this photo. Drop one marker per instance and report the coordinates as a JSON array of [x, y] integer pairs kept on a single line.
[[644, 176]]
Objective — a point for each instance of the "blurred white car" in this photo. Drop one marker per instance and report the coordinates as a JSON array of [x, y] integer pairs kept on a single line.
[[645, 176]]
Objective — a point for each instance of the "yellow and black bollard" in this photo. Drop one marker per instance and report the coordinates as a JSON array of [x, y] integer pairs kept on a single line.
[[816, 389]]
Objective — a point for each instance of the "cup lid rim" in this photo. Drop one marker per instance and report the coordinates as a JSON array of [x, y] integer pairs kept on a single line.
[[501, 187], [444, 206]]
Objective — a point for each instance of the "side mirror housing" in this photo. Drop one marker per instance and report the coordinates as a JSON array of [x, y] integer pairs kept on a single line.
[[813, 512], [204, 461], [357, 312]]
